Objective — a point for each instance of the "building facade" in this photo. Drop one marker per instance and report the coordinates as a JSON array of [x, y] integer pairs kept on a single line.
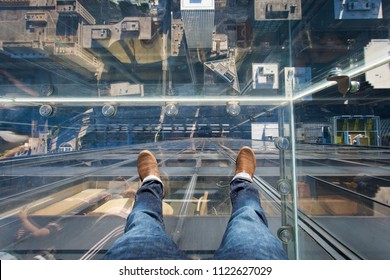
[[198, 19]]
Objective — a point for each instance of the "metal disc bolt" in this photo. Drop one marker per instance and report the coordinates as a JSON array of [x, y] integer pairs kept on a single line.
[[47, 89], [171, 109], [108, 110], [46, 110], [282, 143], [284, 234], [284, 186]]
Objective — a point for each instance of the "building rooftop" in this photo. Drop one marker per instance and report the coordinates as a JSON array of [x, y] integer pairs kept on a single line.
[[197, 4]]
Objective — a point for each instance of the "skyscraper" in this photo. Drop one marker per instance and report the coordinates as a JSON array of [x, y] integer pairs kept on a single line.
[[198, 20]]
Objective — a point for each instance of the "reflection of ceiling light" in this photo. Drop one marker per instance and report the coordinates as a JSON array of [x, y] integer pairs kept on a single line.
[[108, 110], [46, 110], [233, 108], [355, 86], [171, 109]]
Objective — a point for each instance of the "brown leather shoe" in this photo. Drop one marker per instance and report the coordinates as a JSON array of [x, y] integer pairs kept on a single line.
[[246, 161], [147, 165]]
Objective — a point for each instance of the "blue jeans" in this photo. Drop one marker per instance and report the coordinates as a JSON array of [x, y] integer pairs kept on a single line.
[[246, 237]]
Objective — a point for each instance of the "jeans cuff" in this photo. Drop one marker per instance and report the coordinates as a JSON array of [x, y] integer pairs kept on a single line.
[[244, 176], [152, 178]]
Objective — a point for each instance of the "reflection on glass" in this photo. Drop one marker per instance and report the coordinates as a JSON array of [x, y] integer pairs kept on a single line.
[[49, 213]]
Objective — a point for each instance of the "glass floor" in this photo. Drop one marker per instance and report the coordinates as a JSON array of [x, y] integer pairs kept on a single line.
[[86, 195]]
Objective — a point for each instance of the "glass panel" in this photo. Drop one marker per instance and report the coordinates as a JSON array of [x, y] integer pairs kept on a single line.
[[351, 188], [101, 185], [341, 155]]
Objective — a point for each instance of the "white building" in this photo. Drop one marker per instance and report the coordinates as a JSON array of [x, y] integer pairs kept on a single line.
[[198, 20], [378, 49]]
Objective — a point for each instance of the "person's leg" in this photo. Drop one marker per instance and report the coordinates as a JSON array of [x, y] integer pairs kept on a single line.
[[145, 236], [247, 235]]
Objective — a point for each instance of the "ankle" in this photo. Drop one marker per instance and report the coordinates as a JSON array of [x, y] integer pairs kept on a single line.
[[244, 176]]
